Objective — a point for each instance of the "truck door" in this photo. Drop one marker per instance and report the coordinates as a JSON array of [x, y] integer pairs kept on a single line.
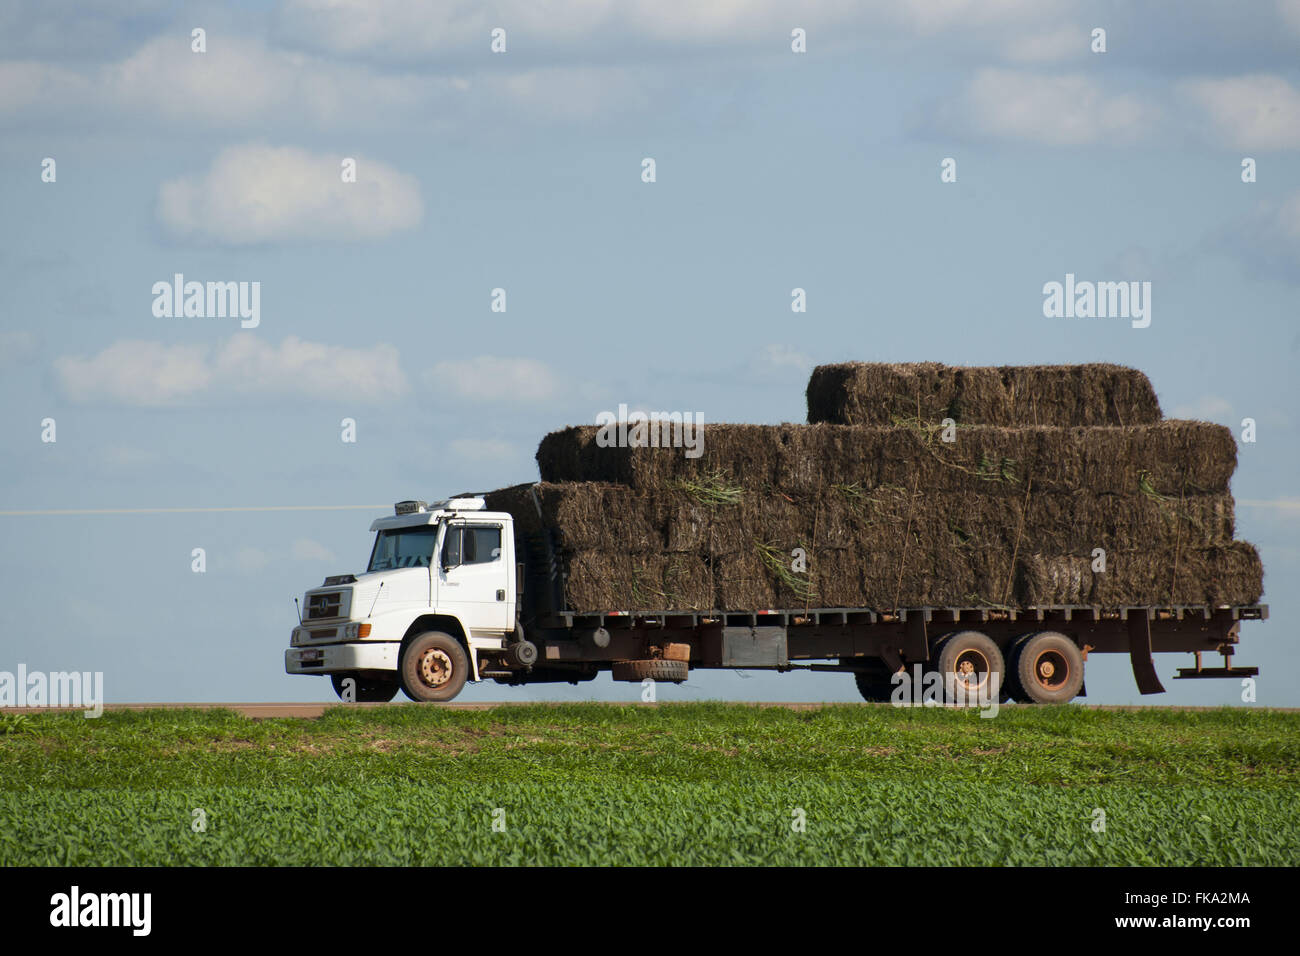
[[474, 576]]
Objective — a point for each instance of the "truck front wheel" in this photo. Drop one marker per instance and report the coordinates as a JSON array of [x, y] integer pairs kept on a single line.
[[434, 667]]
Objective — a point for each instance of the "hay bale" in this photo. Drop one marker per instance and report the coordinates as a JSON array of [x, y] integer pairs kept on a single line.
[[600, 580], [838, 577], [637, 550], [619, 580], [861, 393], [1171, 458], [603, 516], [590, 515], [1230, 574], [917, 577]]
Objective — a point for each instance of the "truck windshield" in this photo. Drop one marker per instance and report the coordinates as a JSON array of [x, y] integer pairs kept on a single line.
[[403, 548]]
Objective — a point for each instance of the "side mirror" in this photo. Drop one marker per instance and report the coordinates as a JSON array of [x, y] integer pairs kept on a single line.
[[452, 547]]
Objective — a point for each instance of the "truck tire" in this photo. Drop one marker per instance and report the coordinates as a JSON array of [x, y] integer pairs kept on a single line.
[[433, 667], [973, 658], [373, 690], [668, 671], [1012, 679], [1048, 668], [874, 685]]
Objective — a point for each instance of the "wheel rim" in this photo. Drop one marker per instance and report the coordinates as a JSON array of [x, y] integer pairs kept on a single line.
[[971, 669], [1051, 670], [435, 667]]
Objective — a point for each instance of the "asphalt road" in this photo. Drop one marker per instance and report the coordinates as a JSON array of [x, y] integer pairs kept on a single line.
[[316, 710]]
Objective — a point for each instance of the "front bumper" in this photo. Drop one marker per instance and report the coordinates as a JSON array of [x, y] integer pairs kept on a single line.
[[333, 658]]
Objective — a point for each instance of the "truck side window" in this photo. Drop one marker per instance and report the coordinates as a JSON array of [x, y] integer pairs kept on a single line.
[[482, 545]]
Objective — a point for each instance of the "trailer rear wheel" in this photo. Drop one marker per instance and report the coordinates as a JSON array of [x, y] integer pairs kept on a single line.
[[672, 671], [434, 667], [365, 689], [1011, 682], [968, 661], [1048, 668], [874, 685]]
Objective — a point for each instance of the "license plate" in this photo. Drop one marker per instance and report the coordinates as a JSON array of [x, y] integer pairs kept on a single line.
[[311, 655]]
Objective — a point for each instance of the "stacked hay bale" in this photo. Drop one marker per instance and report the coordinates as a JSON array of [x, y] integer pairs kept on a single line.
[[860, 393], [869, 506]]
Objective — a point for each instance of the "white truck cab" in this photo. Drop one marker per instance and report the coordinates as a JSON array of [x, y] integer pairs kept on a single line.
[[438, 599]]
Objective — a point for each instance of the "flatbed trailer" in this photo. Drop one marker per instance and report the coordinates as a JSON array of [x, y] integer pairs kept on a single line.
[[865, 641], [872, 644]]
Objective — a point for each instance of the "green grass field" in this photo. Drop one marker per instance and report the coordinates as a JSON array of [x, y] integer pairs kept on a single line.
[[677, 784]]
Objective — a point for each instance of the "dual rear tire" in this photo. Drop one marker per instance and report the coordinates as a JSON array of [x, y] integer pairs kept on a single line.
[[1045, 668], [971, 666], [1041, 668]]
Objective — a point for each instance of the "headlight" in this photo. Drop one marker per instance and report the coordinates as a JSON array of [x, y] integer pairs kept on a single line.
[[354, 631]]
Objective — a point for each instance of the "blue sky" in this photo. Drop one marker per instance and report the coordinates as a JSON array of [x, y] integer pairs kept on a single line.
[[522, 171]]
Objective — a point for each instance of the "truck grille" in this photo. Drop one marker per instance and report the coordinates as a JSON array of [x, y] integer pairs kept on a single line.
[[325, 605]]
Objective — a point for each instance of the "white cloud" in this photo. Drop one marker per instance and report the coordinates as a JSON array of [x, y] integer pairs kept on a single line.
[[252, 560], [16, 348], [1279, 507], [1058, 110], [785, 357], [407, 30], [775, 363], [1051, 45], [1259, 111], [136, 373], [490, 378], [305, 549], [73, 29], [1209, 408], [932, 16], [1289, 11], [239, 81], [404, 30], [257, 193], [1267, 241], [146, 373], [127, 459], [242, 82]]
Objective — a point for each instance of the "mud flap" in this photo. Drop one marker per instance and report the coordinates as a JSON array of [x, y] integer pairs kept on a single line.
[[1139, 653]]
